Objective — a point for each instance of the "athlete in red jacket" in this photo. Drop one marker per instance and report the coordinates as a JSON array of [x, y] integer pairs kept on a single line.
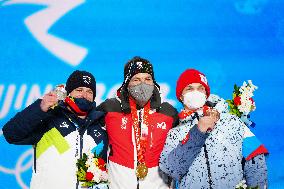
[[137, 124]]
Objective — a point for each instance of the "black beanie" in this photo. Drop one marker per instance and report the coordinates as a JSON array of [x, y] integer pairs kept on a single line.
[[81, 79], [134, 66]]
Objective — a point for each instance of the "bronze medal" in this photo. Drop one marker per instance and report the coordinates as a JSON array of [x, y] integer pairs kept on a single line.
[[141, 170]]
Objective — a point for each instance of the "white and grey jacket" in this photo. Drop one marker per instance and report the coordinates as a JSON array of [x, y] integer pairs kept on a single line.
[[212, 160]]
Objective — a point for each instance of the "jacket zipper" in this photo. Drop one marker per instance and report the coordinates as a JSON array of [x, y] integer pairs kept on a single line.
[[81, 133], [208, 166], [139, 122], [35, 158]]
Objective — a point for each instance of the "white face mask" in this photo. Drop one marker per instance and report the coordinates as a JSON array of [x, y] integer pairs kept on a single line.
[[194, 100]]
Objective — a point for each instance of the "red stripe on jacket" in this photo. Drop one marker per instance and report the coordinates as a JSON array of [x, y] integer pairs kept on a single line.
[[260, 150]]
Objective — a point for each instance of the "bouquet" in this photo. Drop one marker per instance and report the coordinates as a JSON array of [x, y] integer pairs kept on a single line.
[[242, 103], [92, 168], [242, 185]]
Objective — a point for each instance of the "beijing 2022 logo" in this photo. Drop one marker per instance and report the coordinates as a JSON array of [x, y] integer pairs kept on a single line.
[[40, 22]]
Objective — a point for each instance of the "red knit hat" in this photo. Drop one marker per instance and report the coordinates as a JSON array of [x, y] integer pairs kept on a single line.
[[191, 76]]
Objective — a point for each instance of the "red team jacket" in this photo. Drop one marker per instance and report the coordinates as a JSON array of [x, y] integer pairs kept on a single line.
[[122, 155]]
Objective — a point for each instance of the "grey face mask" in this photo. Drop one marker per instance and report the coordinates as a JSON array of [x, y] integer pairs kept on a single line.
[[141, 93]]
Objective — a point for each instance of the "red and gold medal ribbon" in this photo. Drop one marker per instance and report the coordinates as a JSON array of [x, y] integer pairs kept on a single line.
[[185, 113], [141, 139]]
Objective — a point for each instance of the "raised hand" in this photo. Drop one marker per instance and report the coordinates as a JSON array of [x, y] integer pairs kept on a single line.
[[49, 100], [207, 122]]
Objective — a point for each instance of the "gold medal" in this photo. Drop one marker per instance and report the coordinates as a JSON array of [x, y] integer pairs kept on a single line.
[[141, 170]]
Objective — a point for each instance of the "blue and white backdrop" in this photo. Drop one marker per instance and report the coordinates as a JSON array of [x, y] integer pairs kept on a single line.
[[43, 41]]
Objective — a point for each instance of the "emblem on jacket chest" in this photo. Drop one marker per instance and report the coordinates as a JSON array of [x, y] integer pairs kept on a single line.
[[123, 123], [64, 124], [97, 133], [162, 125]]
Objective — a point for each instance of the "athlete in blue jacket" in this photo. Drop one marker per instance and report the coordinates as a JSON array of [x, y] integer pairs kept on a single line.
[[62, 134]]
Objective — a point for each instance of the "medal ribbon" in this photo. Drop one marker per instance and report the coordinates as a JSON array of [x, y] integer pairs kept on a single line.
[[185, 113], [70, 102], [140, 138]]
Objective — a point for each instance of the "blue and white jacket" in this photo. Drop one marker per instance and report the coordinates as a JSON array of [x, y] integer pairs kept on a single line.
[[59, 138], [214, 160]]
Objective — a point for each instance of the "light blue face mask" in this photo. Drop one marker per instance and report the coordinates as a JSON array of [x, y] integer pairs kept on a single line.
[[141, 93]]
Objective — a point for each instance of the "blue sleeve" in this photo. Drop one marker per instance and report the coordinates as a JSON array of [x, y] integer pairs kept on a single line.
[[255, 171], [27, 126], [176, 157]]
